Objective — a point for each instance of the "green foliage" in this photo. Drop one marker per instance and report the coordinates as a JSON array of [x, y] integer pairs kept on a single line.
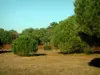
[[88, 16], [87, 50], [24, 46], [65, 37], [65, 48], [46, 38], [28, 30], [63, 32], [14, 34], [44, 35], [40, 35], [7, 37], [32, 33], [47, 47], [1, 34], [52, 25]]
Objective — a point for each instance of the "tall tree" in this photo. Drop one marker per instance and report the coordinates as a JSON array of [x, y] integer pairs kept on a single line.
[[52, 25], [65, 36], [14, 34], [88, 16]]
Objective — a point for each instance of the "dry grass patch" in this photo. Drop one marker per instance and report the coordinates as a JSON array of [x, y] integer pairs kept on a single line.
[[49, 63]]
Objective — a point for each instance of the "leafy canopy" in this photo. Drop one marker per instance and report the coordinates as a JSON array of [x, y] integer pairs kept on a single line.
[[88, 16]]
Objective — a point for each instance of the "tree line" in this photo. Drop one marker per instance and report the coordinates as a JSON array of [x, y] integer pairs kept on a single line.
[[75, 34]]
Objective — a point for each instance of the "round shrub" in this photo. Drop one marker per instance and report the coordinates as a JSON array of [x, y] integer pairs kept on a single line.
[[24, 46], [47, 47]]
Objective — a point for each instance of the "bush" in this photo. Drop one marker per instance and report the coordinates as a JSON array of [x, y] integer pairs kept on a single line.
[[65, 48], [74, 45], [34, 37], [14, 34], [87, 50], [6, 37], [42, 35], [65, 36], [24, 46], [47, 47]]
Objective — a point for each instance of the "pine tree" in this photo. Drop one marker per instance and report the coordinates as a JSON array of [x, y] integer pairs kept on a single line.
[[88, 16]]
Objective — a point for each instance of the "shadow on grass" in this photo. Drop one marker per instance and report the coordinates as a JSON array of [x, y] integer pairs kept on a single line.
[[31, 55], [95, 62], [69, 53], [96, 52], [2, 51], [40, 54], [61, 53]]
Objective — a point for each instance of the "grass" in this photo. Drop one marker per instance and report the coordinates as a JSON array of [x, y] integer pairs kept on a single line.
[[48, 63]]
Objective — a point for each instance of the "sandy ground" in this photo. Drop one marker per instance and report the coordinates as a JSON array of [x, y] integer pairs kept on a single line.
[[48, 63]]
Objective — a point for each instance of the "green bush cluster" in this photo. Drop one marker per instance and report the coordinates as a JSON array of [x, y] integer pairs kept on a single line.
[[67, 35], [66, 38], [24, 46], [47, 47], [88, 16], [6, 37], [42, 35], [87, 50]]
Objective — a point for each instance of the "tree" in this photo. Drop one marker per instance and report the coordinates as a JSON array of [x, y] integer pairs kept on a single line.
[[32, 33], [52, 25], [41, 35], [88, 16], [61, 32], [14, 34], [46, 38], [65, 36], [28, 30], [1, 34], [5, 36]]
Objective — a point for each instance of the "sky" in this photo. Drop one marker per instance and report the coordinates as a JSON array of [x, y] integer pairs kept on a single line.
[[22, 14]]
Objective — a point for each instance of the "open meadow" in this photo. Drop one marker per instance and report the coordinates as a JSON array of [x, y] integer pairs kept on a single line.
[[49, 63]]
